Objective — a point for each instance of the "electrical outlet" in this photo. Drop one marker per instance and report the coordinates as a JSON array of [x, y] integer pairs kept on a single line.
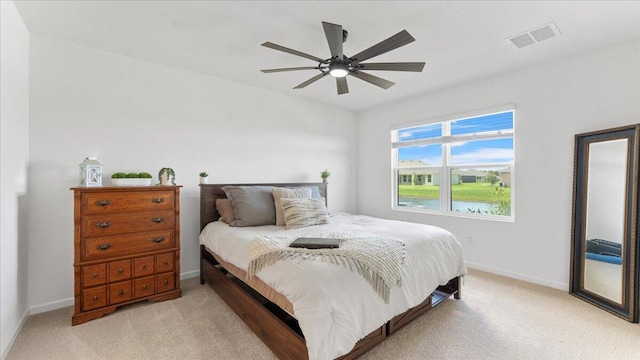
[[469, 240]]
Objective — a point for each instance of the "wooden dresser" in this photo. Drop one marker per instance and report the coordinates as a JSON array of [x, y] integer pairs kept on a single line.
[[127, 247]]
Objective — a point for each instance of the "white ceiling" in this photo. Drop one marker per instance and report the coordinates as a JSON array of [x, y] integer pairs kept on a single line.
[[459, 40]]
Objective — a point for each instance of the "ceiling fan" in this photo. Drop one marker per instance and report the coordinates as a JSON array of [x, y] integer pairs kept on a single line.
[[340, 65]]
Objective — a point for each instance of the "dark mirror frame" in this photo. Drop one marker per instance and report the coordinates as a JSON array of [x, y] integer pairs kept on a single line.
[[630, 247]]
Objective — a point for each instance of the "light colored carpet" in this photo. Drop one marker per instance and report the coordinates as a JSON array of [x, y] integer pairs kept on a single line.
[[604, 279], [497, 318]]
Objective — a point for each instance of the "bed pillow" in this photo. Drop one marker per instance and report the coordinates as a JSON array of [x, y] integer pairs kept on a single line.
[[252, 205], [315, 192], [304, 212], [225, 209], [291, 193]]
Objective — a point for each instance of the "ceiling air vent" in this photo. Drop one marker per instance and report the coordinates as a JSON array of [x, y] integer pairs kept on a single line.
[[534, 36]]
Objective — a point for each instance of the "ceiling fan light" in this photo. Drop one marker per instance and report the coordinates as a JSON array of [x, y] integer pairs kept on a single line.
[[338, 70]]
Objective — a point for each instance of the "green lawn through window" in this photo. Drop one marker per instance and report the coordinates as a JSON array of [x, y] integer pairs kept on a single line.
[[471, 192]]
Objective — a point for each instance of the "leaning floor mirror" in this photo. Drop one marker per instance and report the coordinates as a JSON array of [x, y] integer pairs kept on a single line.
[[605, 252]]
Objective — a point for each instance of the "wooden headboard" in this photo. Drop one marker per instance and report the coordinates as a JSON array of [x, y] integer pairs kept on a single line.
[[210, 192]]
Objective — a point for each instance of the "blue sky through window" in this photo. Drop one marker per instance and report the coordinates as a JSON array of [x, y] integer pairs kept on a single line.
[[471, 152]]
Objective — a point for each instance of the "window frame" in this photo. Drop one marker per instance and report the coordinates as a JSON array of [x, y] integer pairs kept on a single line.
[[446, 167]]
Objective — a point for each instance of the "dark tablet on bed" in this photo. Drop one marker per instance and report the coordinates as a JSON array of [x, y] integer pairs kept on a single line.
[[316, 243]]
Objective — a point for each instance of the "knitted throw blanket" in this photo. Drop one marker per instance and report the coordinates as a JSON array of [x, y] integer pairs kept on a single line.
[[376, 259]]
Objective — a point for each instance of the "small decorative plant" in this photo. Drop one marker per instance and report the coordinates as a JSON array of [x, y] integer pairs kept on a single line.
[[132, 175], [325, 174], [167, 176], [131, 179], [203, 177]]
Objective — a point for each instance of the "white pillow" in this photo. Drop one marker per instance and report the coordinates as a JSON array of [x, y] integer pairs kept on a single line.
[[291, 193], [304, 212]]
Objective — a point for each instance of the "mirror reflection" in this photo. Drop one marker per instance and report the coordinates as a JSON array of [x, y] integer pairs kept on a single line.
[[605, 218]]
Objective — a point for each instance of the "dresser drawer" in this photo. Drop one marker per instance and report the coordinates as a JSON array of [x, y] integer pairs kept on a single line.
[[94, 275], [107, 224], [164, 262], [119, 292], [126, 244], [143, 287], [94, 298], [119, 270], [109, 202], [143, 266], [165, 282]]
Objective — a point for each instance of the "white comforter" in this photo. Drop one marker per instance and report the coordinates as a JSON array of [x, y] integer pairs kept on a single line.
[[335, 307]]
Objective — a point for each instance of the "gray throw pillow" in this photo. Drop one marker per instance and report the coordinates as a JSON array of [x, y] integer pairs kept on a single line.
[[252, 205]]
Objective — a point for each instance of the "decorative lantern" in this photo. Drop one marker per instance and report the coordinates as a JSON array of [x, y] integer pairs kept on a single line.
[[90, 172]]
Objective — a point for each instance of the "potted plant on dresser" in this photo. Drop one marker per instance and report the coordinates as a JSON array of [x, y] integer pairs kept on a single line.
[[131, 179]]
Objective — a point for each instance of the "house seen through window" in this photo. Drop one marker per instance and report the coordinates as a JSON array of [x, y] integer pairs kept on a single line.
[[463, 165]]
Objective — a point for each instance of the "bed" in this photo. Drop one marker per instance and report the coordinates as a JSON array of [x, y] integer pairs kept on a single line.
[[324, 311]]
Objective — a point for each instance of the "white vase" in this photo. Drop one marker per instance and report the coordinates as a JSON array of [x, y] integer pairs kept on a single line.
[[203, 180]]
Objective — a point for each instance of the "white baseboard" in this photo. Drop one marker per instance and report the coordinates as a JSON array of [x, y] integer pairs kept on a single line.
[[54, 305], [518, 276], [189, 274], [23, 320]]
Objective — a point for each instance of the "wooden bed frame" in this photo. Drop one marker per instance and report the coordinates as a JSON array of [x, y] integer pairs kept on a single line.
[[275, 327]]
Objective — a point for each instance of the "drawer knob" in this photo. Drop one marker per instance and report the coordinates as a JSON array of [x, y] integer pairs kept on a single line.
[[104, 247], [120, 271], [94, 275], [103, 203], [158, 239], [121, 293], [157, 220], [166, 282], [166, 262], [144, 287], [95, 298], [157, 200], [105, 224], [144, 267]]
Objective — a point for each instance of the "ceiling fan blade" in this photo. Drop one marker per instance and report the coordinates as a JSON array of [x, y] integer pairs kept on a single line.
[[290, 69], [343, 88], [310, 81], [377, 81], [400, 39], [397, 66], [334, 38], [294, 52]]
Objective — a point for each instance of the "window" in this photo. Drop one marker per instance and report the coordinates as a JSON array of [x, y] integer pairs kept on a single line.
[[462, 165]]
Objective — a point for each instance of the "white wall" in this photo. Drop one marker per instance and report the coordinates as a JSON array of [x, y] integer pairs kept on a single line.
[[554, 101], [14, 155], [135, 115]]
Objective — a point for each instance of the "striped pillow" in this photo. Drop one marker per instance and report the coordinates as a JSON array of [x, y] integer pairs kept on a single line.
[[287, 193], [304, 212]]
